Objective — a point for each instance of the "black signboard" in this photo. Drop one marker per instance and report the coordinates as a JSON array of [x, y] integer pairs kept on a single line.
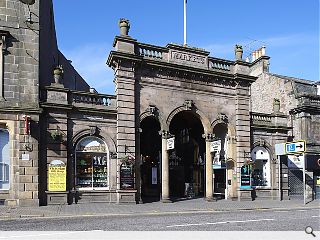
[[245, 177], [312, 162], [126, 177]]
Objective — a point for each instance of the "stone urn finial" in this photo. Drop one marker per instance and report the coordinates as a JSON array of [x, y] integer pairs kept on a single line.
[[238, 52], [124, 25], [58, 74]]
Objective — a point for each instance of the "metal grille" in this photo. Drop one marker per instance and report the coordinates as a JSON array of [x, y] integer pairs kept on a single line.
[[296, 184]]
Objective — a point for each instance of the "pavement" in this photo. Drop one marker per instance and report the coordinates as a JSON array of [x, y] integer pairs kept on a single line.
[[191, 206]]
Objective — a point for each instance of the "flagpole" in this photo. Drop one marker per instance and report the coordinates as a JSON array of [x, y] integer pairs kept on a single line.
[[185, 22]]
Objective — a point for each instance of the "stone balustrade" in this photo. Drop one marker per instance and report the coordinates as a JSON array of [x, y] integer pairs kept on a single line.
[[269, 120], [261, 118], [92, 99], [310, 100], [150, 51], [220, 64]]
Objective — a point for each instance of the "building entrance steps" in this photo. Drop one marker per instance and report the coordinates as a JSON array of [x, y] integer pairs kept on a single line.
[[187, 206]]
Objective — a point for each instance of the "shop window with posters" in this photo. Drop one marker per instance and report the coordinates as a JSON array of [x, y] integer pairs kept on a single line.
[[260, 167], [92, 164]]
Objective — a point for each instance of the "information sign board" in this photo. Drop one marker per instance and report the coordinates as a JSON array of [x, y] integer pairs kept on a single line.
[[215, 146], [57, 174], [295, 147], [126, 177]]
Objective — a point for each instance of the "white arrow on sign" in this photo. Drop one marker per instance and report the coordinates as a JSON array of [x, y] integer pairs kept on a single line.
[[295, 147]]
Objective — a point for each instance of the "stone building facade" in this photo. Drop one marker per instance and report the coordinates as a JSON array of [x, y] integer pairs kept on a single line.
[[62, 142]]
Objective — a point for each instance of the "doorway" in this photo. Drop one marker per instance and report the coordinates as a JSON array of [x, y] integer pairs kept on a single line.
[[186, 160], [150, 141], [219, 162]]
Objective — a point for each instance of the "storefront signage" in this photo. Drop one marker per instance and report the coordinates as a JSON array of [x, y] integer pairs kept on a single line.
[[217, 162], [57, 174], [245, 181], [312, 162], [126, 176], [170, 143], [215, 146], [295, 161]]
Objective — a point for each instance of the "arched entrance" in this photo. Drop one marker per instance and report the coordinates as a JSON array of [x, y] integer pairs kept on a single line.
[[186, 160], [261, 167], [150, 142]]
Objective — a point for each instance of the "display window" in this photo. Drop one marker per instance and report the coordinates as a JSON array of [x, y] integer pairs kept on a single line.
[[92, 165], [4, 160], [260, 167]]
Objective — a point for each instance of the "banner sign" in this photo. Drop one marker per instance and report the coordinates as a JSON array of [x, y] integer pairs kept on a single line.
[[170, 143], [57, 175], [295, 161], [215, 146], [218, 162]]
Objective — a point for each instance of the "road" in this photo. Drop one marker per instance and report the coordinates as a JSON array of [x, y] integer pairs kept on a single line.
[[247, 220]]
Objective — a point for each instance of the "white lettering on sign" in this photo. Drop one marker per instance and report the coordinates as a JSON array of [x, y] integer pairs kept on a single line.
[[215, 146], [188, 57], [170, 143]]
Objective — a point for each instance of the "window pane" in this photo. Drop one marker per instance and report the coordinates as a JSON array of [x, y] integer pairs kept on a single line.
[[92, 170], [4, 160]]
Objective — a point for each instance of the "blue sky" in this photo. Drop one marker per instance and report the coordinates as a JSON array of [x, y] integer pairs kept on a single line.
[[288, 28]]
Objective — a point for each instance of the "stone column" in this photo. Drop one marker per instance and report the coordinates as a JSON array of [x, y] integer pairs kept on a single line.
[[165, 197], [209, 171]]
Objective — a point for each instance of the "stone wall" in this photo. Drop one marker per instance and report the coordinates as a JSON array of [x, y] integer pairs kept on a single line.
[[20, 98], [268, 87]]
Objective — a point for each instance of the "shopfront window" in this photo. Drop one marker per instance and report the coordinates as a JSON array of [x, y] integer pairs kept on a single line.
[[4, 160], [92, 164], [260, 167]]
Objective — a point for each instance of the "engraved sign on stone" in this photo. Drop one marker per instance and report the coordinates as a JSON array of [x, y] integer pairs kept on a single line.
[[188, 58]]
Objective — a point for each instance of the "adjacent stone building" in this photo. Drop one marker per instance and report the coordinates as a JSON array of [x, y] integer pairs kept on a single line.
[[182, 124]]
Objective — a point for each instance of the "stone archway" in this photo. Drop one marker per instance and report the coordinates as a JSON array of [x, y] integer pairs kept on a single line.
[[150, 154], [186, 160], [189, 106]]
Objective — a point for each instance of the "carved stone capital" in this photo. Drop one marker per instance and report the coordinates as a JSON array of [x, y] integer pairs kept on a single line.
[[165, 134], [222, 118], [262, 142], [94, 130], [209, 137], [188, 104], [152, 110]]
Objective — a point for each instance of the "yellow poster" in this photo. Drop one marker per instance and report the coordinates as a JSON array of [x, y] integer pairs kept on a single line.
[[318, 181], [57, 178]]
